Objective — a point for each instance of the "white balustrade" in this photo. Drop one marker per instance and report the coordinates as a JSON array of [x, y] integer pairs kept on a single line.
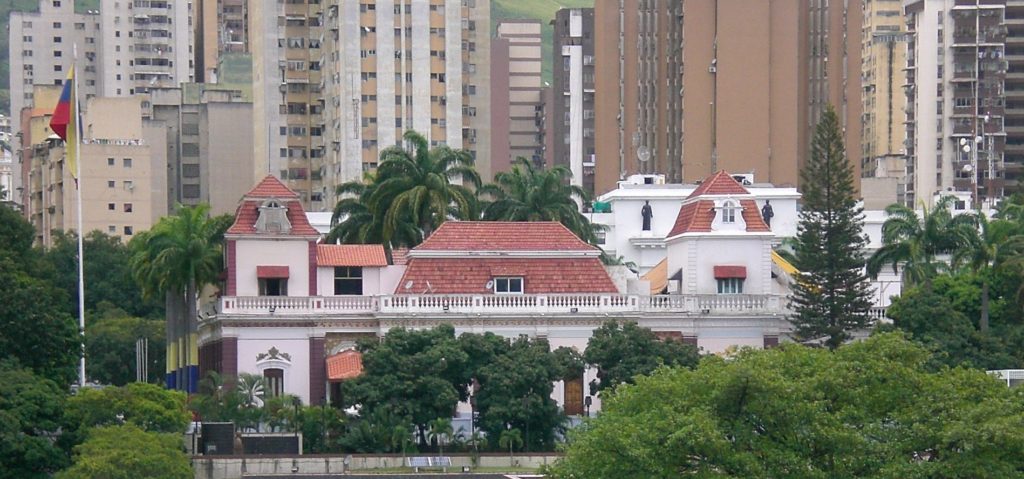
[[702, 304]]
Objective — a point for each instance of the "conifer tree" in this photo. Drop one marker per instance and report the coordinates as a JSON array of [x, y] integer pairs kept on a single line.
[[831, 297]]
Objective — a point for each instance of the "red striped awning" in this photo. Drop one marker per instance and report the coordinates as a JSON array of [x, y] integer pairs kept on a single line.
[[723, 272], [272, 272]]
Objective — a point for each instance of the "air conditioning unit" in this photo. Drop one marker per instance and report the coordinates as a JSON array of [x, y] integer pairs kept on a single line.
[[745, 179]]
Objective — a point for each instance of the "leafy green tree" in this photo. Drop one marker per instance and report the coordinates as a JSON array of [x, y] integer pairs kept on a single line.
[[374, 433], [16, 233], [515, 390], [832, 296], [147, 406], [417, 374], [110, 346], [914, 243], [622, 351], [440, 430], [129, 452], [527, 193], [868, 409], [176, 258], [322, 428], [989, 245], [30, 414], [510, 438]]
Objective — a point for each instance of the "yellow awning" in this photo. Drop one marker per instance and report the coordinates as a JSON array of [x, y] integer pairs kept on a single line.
[[784, 265], [658, 276]]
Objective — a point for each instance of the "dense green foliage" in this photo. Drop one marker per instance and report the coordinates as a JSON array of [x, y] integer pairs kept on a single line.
[[146, 406], [31, 407], [110, 338], [620, 352], [831, 297], [867, 409], [129, 452], [528, 193]]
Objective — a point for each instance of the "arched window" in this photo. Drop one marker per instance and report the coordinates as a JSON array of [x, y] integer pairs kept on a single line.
[[729, 212], [275, 381]]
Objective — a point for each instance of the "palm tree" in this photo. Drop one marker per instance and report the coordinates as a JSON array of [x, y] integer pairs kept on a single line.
[[510, 438], [526, 193], [990, 246], [916, 242], [476, 440], [177, 257], [401, 439], [418, 186], [441, 430]]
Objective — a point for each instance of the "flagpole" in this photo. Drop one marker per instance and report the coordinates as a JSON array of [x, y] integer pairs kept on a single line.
[[81, 227]]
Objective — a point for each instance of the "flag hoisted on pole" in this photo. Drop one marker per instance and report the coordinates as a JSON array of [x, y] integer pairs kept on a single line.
[[66, 122]]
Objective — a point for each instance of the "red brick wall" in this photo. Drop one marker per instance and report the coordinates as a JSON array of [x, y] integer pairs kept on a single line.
[[317, 371], [229, 259]]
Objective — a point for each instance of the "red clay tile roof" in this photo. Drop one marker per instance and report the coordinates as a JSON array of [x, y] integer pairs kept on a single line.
[[540, 275], [720, 183], [248, 212], [271, 187], [344, 365], [503, 236], [350, 255], [399, 256], [695, 216], [752, 216], [722, 272], [266, 272]]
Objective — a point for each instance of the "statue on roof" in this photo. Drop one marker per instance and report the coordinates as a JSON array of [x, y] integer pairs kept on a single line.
[[647, 214], [767, 213]]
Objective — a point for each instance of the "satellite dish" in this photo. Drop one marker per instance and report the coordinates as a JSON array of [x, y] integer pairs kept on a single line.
[[643, 154], [408, 285], [968, 168]]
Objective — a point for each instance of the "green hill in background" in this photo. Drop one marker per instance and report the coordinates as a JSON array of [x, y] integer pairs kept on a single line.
[[543, 10], [6, 7]]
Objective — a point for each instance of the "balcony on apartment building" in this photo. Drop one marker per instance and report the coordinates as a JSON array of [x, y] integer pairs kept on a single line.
[[504, 305]]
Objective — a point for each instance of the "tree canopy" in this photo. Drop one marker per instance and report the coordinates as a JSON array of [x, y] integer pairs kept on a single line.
[[868, 409], [129, 452], [31, 408], [622, 351]]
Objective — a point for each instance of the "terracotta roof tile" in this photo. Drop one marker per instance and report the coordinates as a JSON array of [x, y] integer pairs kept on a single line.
[[344, 365], [752, 216], [503, 236], [470, 275], [350, 255], [721, 183], [271, 187], [694, 217], [399, 256]]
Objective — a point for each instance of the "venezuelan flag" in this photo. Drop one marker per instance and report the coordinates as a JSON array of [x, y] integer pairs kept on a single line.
[[66, 122]]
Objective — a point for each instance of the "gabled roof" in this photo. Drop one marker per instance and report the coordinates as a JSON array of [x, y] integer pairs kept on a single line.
[[471, 275], [721, 183], [350, 255], [697, 214], [503, 236], [271, 188]]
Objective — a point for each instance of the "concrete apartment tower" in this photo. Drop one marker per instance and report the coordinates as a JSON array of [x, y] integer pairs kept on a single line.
[[956, 69], [391, 66], [756, 79], [572, 125], [517, 94], [1013, 155], [41, 50], [146, 44], [221, 27], [287, 109], [883, 156]]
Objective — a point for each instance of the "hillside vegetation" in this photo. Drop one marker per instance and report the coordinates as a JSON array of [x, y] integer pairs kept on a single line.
[[543, 10]]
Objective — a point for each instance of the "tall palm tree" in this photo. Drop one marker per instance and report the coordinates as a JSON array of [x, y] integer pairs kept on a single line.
[[916, 242], [441, 431], [526, 193], [420, 186], [510, 438], [176, 258], [990, 246]]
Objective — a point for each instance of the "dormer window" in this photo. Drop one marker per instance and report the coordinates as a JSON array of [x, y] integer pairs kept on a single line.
[[729, 212], [273, 218], [508, 285]]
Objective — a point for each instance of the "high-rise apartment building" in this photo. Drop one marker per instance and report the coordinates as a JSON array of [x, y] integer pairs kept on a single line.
[[208, 134], [42, 48], [883, 104], [287, 107], [123, 176], [517, 94], [221, 27], [757, 76], [1013, 156], [397, 65], [572, 122], [145, 44], [956, 68]]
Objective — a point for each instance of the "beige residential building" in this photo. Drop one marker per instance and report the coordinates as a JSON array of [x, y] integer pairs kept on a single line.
[[146, 44], [123, 177], [756, 77], [221, 26], [391, 66], [285, 40], [517, 94], [883, 102], [208, 134]]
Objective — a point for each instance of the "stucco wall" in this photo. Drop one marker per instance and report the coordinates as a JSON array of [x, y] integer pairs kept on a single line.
[[272, 252], [294, 343], [697, 256]]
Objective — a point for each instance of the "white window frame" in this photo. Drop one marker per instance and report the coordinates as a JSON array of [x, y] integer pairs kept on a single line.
[[729, 212], [506, 285], [730, 285]]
